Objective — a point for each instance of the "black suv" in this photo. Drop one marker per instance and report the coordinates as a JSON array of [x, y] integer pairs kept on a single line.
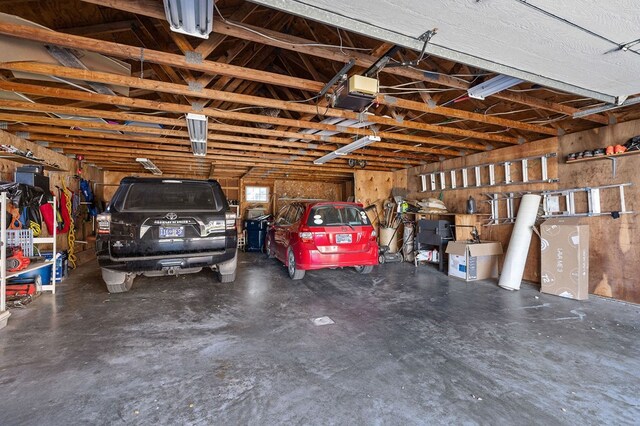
[[161, 227]]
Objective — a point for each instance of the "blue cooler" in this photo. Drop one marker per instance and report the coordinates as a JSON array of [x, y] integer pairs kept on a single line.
[[45, 273], [30, 277], [61, 263]]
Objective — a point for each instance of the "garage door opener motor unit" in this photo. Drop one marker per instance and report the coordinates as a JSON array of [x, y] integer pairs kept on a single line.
[[355, 93]]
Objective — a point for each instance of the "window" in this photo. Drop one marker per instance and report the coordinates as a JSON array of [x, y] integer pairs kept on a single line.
[[257, 194], [328, 215], [171, 196]]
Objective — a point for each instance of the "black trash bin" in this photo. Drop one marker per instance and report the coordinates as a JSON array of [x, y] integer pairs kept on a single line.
[[256, 232]]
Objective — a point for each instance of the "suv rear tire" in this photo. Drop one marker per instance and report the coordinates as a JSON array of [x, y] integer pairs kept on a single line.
[[117, 282]]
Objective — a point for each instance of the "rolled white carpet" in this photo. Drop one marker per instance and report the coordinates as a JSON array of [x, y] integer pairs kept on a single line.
[[516, 257]]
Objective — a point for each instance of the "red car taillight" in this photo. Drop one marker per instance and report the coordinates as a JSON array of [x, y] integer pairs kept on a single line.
[[305, 235], [230, 220], [374, 234], [104, 223]]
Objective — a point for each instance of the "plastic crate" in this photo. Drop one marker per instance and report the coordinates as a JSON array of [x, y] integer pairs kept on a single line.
[[22, 238]]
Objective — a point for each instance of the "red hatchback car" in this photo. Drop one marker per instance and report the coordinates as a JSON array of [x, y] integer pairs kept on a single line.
[[319, 235]]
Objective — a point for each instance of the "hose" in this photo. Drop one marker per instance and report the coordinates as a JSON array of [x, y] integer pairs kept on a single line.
[[71, 235], [35, 227]]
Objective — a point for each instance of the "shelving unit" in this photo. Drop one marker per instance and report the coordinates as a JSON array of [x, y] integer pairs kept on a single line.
[[614, 158], [4, 276], [21, 159]]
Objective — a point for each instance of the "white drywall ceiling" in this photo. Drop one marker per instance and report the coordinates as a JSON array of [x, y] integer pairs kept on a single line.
[[513, 37]]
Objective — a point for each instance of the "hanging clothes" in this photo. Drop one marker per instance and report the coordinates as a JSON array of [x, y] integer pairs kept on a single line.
[[46, 211], [64, 212]]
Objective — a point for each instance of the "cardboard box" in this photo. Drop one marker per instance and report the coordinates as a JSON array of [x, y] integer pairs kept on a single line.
[[473, 262], [565, 257]]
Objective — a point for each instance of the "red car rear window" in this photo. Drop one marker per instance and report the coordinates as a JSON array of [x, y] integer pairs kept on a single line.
[[336, 215]]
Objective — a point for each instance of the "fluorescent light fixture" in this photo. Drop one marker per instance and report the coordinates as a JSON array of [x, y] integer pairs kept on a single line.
[[360, 143], [492, 86], [191, 17], [197, 126], [148, 165], [337, 121], [330, 156], [607, 107]]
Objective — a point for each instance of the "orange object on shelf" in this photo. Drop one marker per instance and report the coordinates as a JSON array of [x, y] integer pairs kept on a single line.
[[17, 261]]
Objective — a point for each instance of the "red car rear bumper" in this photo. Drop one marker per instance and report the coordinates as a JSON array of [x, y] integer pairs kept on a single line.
[[308, 258]]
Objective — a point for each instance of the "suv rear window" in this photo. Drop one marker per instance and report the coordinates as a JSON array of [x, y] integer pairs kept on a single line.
[[182, 196], [337, 215]]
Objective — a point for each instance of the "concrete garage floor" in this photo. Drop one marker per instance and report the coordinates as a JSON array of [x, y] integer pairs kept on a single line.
[[409, 346]]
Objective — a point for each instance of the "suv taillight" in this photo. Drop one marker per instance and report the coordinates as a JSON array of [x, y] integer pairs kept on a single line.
[[104, 223], [230, 220]]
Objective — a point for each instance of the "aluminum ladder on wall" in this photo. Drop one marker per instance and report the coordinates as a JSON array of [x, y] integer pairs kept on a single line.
[[471, 177], [558, 203]]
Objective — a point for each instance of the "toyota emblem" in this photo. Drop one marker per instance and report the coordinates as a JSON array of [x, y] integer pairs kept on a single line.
[[171, 216]]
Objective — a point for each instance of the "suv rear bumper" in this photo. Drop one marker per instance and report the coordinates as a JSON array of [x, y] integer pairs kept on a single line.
[[160, 262]]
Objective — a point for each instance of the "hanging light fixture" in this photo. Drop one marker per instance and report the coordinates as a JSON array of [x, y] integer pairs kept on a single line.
[[492, 86], [360, 143], [191, 17], [148, 165], [197, 126]]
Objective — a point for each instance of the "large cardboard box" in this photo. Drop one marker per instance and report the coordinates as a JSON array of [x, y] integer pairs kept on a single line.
[[472, 261], [565, 257]]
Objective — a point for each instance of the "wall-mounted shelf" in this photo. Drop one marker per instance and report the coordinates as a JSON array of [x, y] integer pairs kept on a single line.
[[613, 158], [26, 160], [603, 157]]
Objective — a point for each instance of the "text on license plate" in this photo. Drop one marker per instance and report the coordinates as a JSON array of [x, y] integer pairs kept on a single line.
[[171, 231], [343, 238]]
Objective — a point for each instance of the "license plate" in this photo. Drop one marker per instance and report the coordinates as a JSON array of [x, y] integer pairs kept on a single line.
[[171, 231], [343, 238]]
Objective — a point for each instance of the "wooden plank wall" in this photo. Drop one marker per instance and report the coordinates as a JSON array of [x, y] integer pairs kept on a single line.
[[111, 182], [374, 188], [456, 200], [84, 229], [614, 243], [284, 189], [230, 187], [614, 270]]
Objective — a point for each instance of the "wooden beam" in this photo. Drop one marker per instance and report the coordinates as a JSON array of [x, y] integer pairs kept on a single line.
[[23, 118], [100, 29], [151, 8], [148, 55], [225, 157], [298, 44], [173, 88], [215, 142], [184, 109], [207, 47]]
